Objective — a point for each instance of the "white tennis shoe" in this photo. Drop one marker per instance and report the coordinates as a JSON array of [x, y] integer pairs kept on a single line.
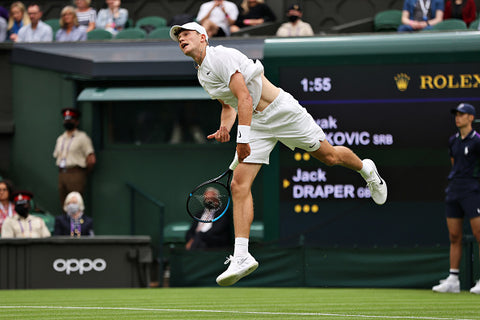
[[448, 285], [476, 288], [239, 267], [376, 185]]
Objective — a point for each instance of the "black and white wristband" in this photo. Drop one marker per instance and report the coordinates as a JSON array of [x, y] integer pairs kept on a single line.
[[243, 134]]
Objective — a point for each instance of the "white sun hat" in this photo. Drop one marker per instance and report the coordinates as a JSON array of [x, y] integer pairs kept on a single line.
[[187, 26]]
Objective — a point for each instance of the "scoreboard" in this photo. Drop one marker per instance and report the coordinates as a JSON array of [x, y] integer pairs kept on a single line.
[[396, 114]]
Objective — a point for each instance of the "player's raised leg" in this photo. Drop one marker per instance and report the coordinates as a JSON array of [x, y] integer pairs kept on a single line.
[[242, 262], [343, 156]]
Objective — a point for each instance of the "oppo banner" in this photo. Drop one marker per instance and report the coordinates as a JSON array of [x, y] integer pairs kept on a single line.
[[86, 262]]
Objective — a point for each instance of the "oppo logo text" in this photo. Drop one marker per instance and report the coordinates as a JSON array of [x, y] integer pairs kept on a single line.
[[79, 265]]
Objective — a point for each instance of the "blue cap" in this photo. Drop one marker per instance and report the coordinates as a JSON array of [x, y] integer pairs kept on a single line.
[[464, 108]]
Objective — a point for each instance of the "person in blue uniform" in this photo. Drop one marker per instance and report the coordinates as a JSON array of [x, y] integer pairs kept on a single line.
[[462, 193]]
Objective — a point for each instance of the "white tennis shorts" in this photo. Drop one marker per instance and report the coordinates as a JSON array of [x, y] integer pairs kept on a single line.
[[284, 120]]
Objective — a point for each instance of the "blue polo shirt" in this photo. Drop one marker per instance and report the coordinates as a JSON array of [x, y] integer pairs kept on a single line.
[[409, 5], [465, 173]]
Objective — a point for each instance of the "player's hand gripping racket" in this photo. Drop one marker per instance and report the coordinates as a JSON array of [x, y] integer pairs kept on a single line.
[[209, 201]]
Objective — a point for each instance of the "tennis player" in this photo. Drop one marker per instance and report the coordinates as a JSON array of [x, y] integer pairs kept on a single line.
[[266, 114]]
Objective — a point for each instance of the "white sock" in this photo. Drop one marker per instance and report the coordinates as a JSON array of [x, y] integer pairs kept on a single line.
[[454, 274], [365, 171], [241, 247]]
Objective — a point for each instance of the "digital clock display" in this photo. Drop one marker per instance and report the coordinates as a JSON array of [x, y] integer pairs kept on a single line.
[[316, 84]]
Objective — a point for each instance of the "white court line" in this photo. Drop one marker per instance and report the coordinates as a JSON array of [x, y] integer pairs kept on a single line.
[[313, 314]]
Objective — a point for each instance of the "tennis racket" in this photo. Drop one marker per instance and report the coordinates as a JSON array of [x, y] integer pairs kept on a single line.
[[209, 201]]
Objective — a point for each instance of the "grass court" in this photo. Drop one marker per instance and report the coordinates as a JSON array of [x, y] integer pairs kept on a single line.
[[237, 303]]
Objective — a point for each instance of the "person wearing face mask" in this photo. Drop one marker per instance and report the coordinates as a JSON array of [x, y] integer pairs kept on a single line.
[[23, 224], [74, 223], [7, 207], [209, 235], [295, 27], [74, 155]]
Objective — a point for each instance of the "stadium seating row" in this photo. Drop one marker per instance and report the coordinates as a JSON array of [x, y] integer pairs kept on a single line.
[[389, 20], [152, 27]]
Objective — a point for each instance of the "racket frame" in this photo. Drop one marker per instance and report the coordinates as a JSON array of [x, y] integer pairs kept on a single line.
[[216, 180]]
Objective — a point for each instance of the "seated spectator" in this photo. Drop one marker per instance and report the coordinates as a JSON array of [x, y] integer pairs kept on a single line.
[[209, 235], [3, 23], [217, 16], [86, 15], [460, 9], [186, 122], [74, 223], [113, 18], [3, 29], [7, 208], [4, 13], [295, 27], [69, 27], [23, 224], [17, 19], [37, 30], [421, 15], [253, 13]]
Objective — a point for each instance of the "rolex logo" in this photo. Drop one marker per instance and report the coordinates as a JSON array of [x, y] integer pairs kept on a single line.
[[402, 80]]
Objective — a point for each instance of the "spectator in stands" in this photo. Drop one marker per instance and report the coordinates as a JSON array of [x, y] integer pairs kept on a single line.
[[113, 18], [17, 19], [86, 15], [23, 224], [421, 15], [209, 235], [3, 23], [217, 16], [4, 13], [295, 27], [69, 27], [253, 13], [74, 223], [37, 30], [460, 9], [3, 29], [74, 155], [7, 208], [186, 119]]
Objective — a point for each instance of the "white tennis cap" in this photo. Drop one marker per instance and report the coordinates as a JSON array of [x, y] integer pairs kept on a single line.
[[187, 26]]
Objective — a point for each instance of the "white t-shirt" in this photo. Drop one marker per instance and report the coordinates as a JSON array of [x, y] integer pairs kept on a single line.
[[218, 66], [218, 16], [301, 29], [42, 33]]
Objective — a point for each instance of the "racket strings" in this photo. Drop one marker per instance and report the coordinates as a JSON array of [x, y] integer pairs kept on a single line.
[[206, 208], [200, 199]]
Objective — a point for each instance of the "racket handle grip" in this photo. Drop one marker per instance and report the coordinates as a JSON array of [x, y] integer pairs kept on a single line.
[[234, 163]]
